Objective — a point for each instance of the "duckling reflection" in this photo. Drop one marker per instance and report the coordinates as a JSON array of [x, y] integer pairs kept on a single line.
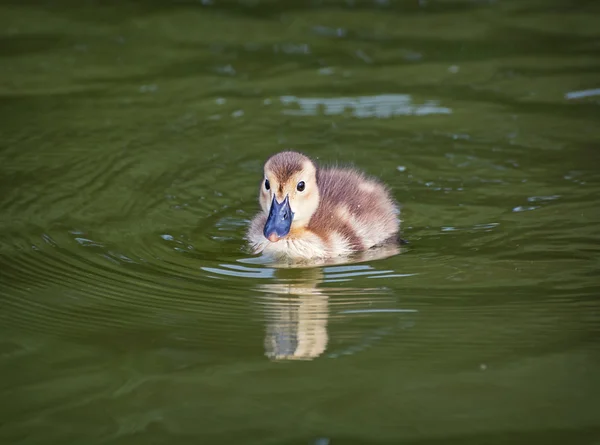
[[297, 310], [296, 314]]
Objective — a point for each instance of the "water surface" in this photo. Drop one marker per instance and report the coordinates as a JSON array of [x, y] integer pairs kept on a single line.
[[132, 141]]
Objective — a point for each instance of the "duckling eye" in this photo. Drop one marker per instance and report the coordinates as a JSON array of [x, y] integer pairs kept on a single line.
[[300, 186], [267, 185]]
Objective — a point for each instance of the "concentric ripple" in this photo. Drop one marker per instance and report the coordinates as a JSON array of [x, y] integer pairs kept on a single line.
[[84, 284]]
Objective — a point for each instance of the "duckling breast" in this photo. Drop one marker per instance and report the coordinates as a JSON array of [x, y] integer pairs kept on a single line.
[[297, 244]]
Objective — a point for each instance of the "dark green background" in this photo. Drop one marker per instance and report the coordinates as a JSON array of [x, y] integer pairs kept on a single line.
[[132, 137]]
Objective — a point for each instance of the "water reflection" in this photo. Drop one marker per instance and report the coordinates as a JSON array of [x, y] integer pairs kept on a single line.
[[297, 302], [296, 315], [381, 106], [582, 94], [297, 312]]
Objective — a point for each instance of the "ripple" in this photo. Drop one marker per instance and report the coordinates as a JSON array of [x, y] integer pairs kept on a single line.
[[582, 94], [520, 209], [305, 317], [232, 270], [95, 288], [378, 311], [381, 106], [484, 227], [161, 282]]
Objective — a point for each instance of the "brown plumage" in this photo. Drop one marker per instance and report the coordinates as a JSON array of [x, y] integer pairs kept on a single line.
[[286, 165], [320, 212]]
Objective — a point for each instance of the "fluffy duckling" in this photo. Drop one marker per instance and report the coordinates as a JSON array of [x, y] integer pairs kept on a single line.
[[314, 212]]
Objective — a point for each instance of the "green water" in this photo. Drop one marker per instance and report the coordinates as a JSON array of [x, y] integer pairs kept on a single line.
[[132, 137]]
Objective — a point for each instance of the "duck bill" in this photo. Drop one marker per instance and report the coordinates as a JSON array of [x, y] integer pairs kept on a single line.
[[279, 221]]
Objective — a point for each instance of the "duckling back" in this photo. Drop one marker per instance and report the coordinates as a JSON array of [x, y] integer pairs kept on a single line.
[[355, 212]]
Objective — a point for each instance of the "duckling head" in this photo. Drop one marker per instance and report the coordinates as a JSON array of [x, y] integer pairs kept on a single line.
[[288, 193]]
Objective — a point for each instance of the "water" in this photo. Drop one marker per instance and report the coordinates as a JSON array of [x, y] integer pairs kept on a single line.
[[132, 140]]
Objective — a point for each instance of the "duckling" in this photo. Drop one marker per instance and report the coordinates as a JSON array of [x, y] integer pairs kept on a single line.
[[311, 212]]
